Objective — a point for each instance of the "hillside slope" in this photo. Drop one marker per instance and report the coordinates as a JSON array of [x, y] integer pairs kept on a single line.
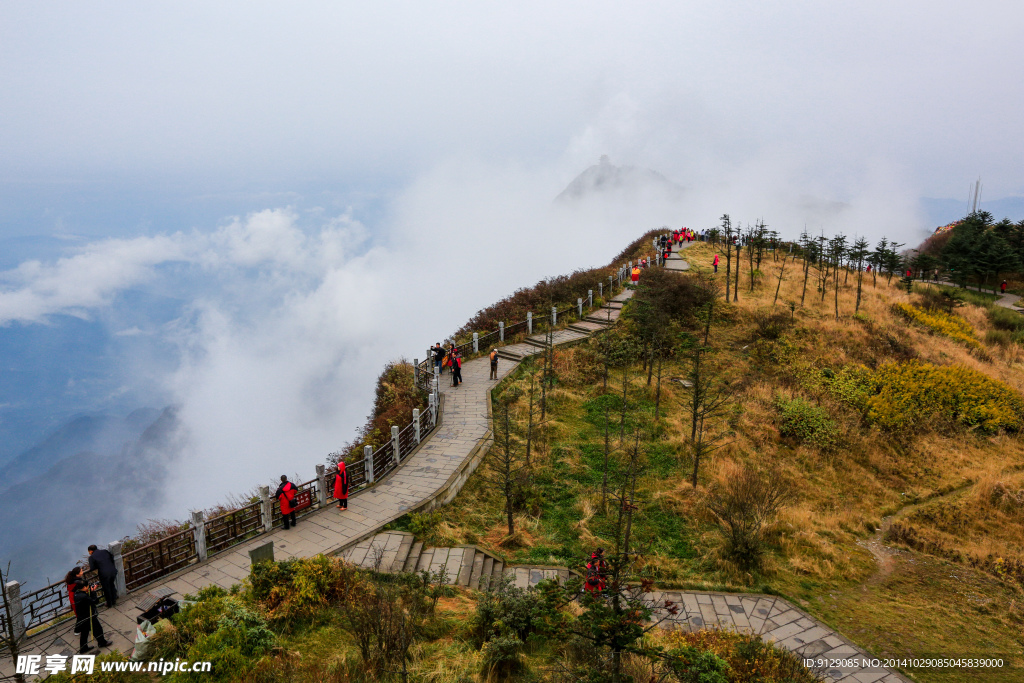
[[894, 433]]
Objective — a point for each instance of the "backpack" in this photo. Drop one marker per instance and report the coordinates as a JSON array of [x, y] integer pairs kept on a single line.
[[593, 574]]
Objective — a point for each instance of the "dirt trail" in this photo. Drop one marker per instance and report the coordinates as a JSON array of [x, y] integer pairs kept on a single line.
[[885, 555]]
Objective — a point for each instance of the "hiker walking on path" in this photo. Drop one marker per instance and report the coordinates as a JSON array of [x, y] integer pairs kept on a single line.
[[102, 562], [715, 263], [285, 495], [341, 486], [87, 620], [1002, 286], [634, 275], [494, 363], [456, 362]]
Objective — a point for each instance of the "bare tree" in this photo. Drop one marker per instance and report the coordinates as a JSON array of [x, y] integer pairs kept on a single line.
[[10, 638], [727, 228], [744, 507], [504, 463], [708, 400], [779, 286]]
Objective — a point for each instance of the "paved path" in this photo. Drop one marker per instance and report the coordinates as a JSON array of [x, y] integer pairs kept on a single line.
[[675, 261], [464, 426], [1011, 301]]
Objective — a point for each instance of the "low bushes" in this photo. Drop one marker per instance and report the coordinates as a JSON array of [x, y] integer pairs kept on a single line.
[[909, 396], [947, 324], [746, 659], [807, 422]]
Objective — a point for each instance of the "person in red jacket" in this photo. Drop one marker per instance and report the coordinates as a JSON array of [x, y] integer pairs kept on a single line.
[[715, 263], [341, 486], [1002, 286], [285, 495]]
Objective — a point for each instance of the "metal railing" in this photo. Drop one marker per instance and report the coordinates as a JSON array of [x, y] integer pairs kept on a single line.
[[160, 558], [47, 604], [224, 531]]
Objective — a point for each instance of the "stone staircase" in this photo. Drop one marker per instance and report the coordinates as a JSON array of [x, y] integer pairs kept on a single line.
[[465, 565]]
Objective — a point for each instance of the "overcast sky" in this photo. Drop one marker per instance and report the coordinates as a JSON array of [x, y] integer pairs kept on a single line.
[[924, 95], [328, 185]]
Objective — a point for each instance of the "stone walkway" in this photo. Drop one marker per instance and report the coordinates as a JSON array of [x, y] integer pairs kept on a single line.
[[424, 478]]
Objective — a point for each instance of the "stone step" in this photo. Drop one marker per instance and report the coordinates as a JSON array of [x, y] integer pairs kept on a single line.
[[466, 571], [453, 565], [614, 305], [403, 554], [414, 557], [478, 567], [425, 558], [510, 355], [536, 342], [496, 573], [485, 574]]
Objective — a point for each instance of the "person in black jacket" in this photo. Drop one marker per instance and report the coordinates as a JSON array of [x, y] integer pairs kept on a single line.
[[438, 358], [102, 562], [86, 619]]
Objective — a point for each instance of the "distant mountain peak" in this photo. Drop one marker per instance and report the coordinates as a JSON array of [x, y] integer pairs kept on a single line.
[[606, 179]]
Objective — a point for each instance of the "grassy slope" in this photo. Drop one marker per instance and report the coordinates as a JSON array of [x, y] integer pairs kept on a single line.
[[915, 604]]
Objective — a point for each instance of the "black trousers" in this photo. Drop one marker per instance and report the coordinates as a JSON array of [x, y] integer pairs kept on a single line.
[[109, 589], [494, 371], [343, 503], [456, 375], [284, 518], [95, 627]]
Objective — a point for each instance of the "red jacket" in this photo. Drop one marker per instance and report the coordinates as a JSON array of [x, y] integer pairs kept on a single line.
[[341, 482], [286, 496]]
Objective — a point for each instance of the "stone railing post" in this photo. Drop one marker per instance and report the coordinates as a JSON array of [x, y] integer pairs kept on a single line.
[[416, 423], [368, 463], [437, 389], [554, 315], [501, 331], [610, 285], [394, 444], [579, 307], [17, 615], [321, 489], [120, 581], [433, 409], [529, 322], [416, 371], [590, 298], [268, 509], [476, 342], [199, 531], [600, 289]]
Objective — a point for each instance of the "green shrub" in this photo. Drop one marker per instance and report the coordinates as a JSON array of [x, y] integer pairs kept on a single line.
[[218, 628], [502, 658], [1005, 319], [807, 422], [850, 384], [505, 608], [913, 395], [690, 665], [998, 338]]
